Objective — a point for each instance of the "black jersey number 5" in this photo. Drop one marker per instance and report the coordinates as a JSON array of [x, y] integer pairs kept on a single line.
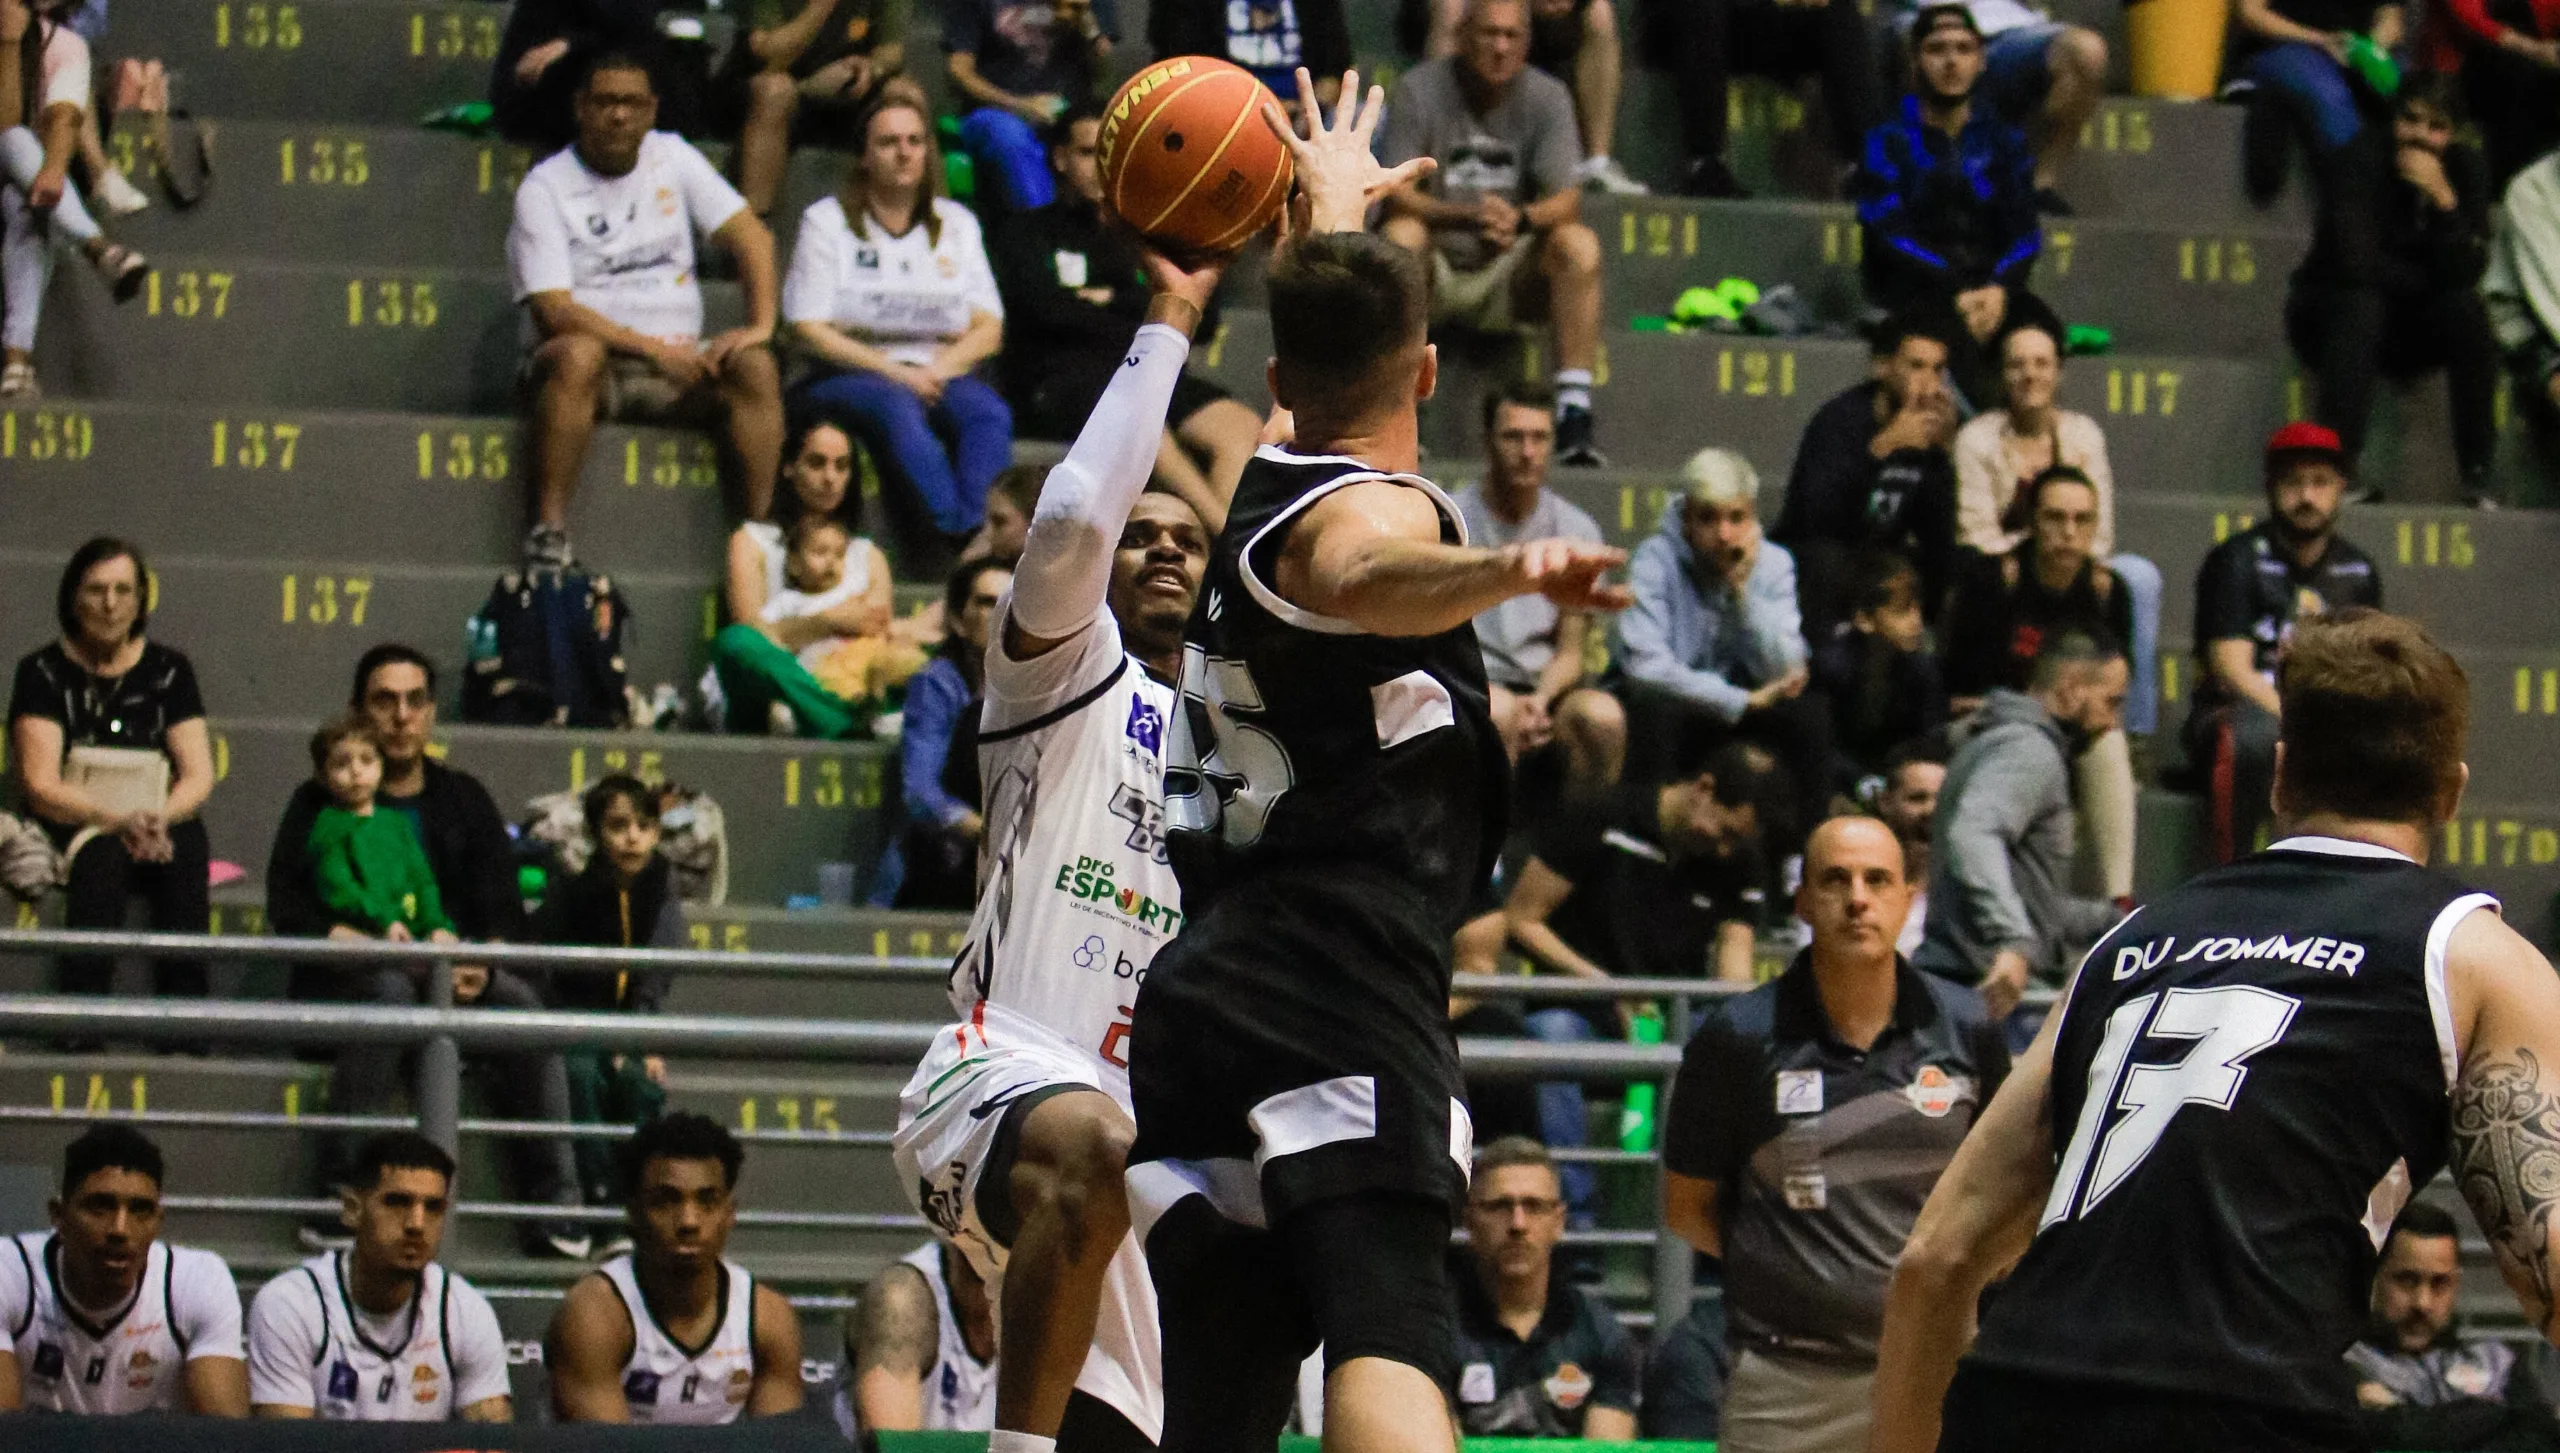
[[1244, 765], [2224, 1026]]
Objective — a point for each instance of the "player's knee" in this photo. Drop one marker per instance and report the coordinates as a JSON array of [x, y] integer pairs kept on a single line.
[[1573, 250], [1072, 1171]]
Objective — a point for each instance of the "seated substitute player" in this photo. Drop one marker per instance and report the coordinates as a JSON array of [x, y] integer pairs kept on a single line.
[[2193, 1165], [1334, 800], [1014, 1133], [920, 1349], [671, 1331], [104, 1317], [379, 1333]]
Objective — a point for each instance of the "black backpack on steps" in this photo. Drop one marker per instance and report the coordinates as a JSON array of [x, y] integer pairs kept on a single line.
[[546, 650]]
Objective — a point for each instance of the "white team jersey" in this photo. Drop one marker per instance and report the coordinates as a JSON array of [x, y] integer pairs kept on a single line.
[[130, 1360], [960, 1392], [1074, 894], [311, 1347], [665, 1383]]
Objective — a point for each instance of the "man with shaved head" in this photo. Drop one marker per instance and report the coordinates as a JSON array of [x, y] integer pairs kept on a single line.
[[1811, 1119]]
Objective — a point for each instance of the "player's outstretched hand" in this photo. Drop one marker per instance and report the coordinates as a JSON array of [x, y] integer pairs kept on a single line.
[[1336, 170], [1572, 573]]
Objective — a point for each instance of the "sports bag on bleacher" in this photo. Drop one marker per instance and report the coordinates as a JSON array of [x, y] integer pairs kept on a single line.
[[546, 650]]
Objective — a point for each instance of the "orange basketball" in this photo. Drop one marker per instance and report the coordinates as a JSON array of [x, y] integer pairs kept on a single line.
[[1187, 158]]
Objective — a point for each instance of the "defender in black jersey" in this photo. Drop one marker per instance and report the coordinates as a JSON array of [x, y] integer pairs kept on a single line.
[[1333, 799], [2204, 1150]]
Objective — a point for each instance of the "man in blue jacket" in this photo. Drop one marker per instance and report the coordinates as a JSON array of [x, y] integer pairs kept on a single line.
[[1946, 191]]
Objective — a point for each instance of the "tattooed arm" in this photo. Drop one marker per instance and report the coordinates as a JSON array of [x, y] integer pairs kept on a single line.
[[2506, 1105], [891, 1340]]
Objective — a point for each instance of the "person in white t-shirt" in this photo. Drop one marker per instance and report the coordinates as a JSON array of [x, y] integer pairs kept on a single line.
[[602, 257], [39, 205], [379, 1333], [1533, 651], [890, 293], [103, 1317]]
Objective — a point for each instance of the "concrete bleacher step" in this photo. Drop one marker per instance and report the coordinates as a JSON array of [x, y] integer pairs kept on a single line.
[[303, 60], [2160, 285]]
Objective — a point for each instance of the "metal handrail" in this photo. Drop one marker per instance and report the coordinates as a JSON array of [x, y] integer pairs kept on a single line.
[[891, 968]]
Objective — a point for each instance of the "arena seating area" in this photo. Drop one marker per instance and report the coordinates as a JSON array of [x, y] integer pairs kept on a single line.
[[308, 418]]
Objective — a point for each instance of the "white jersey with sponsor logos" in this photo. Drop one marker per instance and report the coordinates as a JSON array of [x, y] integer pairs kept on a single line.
[[311, 1346], [1074, 894], [666, 1382], [130, 1359]]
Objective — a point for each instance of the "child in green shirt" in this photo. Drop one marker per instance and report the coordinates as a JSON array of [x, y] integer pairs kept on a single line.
[[369, 867]]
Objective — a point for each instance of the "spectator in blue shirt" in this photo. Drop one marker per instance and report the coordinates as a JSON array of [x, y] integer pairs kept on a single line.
[[934, 865], [1017, 65], [1946, 192]]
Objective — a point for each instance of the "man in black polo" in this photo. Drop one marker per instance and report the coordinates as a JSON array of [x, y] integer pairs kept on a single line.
[[1537, 1356], [2250, 591], [1810, 1119]]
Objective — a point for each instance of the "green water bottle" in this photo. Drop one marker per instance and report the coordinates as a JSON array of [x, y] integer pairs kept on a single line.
[[2375, 64], [1635, 1121]]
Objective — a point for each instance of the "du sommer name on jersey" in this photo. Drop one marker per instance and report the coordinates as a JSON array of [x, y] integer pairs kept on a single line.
[[2336, 956]]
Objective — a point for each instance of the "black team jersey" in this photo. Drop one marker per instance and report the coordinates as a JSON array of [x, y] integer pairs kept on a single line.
[[1307, 743], [2251, 1074]]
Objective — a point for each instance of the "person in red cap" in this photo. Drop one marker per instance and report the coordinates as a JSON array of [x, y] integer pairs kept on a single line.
[[2250, 592]]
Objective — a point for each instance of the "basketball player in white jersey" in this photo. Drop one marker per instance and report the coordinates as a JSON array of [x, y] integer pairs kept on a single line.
[[102, 1315], [671, 1332], [1013, 1132], [920, 1349], [379, 1333]]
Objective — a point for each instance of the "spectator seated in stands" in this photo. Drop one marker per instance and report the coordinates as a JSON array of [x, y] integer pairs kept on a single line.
[[716, 1344], [1575, 41], [754, 658], [1017, 66], [625, 897], [1537, 1356], [1714, 647], [831, 686], [1906, 799], [1534, 653], [1873, 472], [1073, 298], [2507, 58], [2419, 1382], [1946, 190], [936, 862], [379, 1333], [2521, 290], [1686, 1371], [2008, 606], [65, 1293], [891, 295], [108, 743], [2294, 56], [1270, 38], [2390, 287], [1810, 1119], [2001, 909], [474, 863], [1998, 453], [806, 80], [1878, 670], [2043, 77], [1647, 882], [601, 256], [368, 868], [2250, 591], [1500, 218], [44, 106], [1784, 40], [906, 1369], [546, 51], [1010, 502]]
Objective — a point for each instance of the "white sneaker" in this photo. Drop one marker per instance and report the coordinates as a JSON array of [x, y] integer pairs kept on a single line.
[[1602, 173], [119, 195]]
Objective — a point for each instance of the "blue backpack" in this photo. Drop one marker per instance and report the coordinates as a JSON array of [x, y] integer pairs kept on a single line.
[[546, 650]]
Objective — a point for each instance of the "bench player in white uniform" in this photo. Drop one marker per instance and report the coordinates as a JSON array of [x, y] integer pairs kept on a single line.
[[105, 1317], [379, 1333], [670, 1331], [1013, 1133], [920, 1349]]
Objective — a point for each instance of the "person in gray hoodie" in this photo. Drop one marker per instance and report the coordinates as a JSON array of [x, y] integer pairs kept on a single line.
[[2000, 901], [1713, 647]]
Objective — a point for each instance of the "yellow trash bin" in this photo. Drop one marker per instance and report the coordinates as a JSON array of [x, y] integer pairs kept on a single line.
[[2176, 47]]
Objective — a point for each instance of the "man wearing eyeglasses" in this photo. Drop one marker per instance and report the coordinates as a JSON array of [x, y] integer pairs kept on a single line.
[[1809, 1122], [1538, 1357]]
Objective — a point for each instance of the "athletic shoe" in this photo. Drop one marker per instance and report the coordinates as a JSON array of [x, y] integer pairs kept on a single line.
[[1603, 174], [1574, 446], [546, 547], [119, 195], [124, 270]]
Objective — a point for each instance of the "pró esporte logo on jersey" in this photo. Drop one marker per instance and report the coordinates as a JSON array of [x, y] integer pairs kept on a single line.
[[1090, 883]]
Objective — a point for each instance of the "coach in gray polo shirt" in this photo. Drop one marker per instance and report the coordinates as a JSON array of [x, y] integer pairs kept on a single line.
[[1810, 1119]]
